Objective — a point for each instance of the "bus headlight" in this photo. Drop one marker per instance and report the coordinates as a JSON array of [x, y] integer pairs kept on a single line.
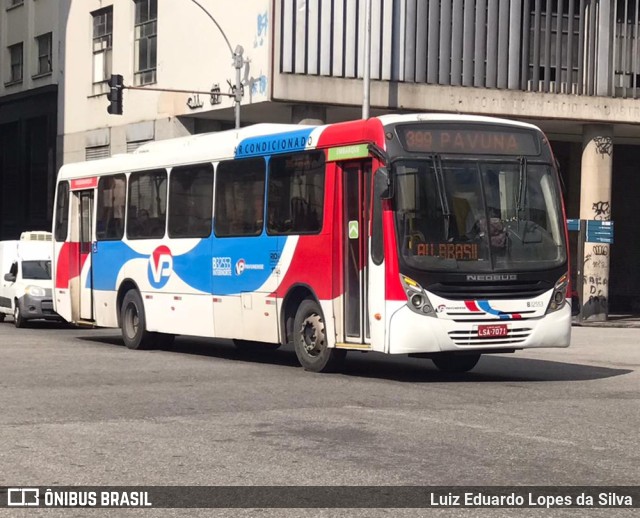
[[35, 291], [559, 295], [418, 299]]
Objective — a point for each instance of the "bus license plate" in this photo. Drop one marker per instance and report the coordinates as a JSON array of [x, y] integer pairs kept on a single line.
[[493, 330]]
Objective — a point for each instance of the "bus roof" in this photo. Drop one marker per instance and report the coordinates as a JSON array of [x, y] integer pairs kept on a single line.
[[207, 147]]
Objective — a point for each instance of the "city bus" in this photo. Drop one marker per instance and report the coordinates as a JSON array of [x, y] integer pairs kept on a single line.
[[430, 235]]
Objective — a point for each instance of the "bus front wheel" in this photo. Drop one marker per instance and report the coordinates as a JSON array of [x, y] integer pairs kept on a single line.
[[449, 362], [309, 340], [133, 322]]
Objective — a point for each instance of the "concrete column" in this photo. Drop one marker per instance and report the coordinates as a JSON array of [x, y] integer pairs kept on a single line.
[[308, 114], [595, 204]]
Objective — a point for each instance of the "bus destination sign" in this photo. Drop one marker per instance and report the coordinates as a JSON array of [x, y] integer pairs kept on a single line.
[[450, 139]]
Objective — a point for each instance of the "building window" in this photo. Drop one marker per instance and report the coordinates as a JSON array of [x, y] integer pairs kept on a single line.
[[43, 44], [102, 44], [15, 63], [146, 30]]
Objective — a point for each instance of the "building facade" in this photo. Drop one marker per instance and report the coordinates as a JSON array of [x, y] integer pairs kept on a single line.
[[570, 66], [29, 77]]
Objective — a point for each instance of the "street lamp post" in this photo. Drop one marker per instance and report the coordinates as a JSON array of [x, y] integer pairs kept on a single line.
[[238, 63], [367, 60]]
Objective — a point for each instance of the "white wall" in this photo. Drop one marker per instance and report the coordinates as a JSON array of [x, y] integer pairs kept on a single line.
[[192, 55], [22, 24]]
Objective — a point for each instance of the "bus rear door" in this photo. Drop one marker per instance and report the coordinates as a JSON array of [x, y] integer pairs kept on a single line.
[[81, 281]]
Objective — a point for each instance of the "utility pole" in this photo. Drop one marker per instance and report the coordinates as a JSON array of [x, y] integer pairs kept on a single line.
[[367, 60], [238, 63]]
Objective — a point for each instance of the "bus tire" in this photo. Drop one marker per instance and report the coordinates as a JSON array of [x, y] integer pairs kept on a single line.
[[133, 322], [250, 346], [18, 320], [449, 362], [309, 340], [1, 317]]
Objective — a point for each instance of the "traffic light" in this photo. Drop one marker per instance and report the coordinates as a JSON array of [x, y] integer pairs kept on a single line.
[[116, 86]]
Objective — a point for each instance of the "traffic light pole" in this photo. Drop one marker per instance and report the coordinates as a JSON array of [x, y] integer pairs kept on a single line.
[[238, 63]]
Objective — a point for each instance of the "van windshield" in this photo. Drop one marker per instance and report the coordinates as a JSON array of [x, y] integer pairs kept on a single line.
[[40, 270]]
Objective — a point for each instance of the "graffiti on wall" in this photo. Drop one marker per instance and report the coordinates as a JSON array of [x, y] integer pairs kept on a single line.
[[604, 145], [595, 290], [601, 210], [262, 22]]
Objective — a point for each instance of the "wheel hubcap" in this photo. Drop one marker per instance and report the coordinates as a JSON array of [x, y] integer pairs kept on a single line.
[[132, 321], [312, 335]]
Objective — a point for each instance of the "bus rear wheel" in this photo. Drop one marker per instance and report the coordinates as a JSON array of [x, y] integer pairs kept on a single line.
[[449, 362], [133, 322], [309, 340]]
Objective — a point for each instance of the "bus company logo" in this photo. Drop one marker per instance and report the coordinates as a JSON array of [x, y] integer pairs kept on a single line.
[[160, 266], [221, 266], [241, 264]]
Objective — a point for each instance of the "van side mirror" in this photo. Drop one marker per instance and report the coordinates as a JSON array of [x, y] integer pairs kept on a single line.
[[9, 277], [382, 184]]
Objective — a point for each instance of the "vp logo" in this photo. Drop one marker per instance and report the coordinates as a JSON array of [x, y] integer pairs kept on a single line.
[[160, 266], [240, 266]]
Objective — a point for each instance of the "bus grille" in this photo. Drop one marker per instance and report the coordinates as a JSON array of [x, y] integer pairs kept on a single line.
[[470, 337], [488, 290]]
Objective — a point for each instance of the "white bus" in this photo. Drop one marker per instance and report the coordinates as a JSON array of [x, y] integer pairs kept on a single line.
[[441, 236]]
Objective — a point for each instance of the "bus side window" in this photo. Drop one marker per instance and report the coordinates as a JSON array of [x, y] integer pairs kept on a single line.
[[62, 212], [239, 207], [296, 193], [147, 204], [111, 203], [190, 201]]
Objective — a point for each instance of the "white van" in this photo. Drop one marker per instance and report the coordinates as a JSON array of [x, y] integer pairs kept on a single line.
[[26, 287]]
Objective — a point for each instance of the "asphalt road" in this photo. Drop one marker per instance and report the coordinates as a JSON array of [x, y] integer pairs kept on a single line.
[[78, 408]]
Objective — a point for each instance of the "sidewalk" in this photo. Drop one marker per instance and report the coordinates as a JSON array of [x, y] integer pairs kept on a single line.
[[615, 320]]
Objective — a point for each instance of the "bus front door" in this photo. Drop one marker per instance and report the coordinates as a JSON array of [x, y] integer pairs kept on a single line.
[[355, 224], [81, 282]]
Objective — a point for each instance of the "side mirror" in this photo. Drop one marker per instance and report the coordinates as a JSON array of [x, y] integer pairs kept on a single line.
[[381, 191], [9, 277], [382, 184]]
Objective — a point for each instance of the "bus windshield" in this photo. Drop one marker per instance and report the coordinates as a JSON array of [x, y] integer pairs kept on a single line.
[[40, 270], [478, 216]]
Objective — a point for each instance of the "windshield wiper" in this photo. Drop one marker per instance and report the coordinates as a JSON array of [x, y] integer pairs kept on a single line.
[[522, 184], [442, 193]]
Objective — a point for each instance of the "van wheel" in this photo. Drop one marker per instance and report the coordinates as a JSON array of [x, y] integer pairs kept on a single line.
[[447, 362], [18, 319], [133, 322], [309, 340]]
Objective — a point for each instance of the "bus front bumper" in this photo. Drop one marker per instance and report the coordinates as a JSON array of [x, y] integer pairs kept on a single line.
[[413, 333]]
